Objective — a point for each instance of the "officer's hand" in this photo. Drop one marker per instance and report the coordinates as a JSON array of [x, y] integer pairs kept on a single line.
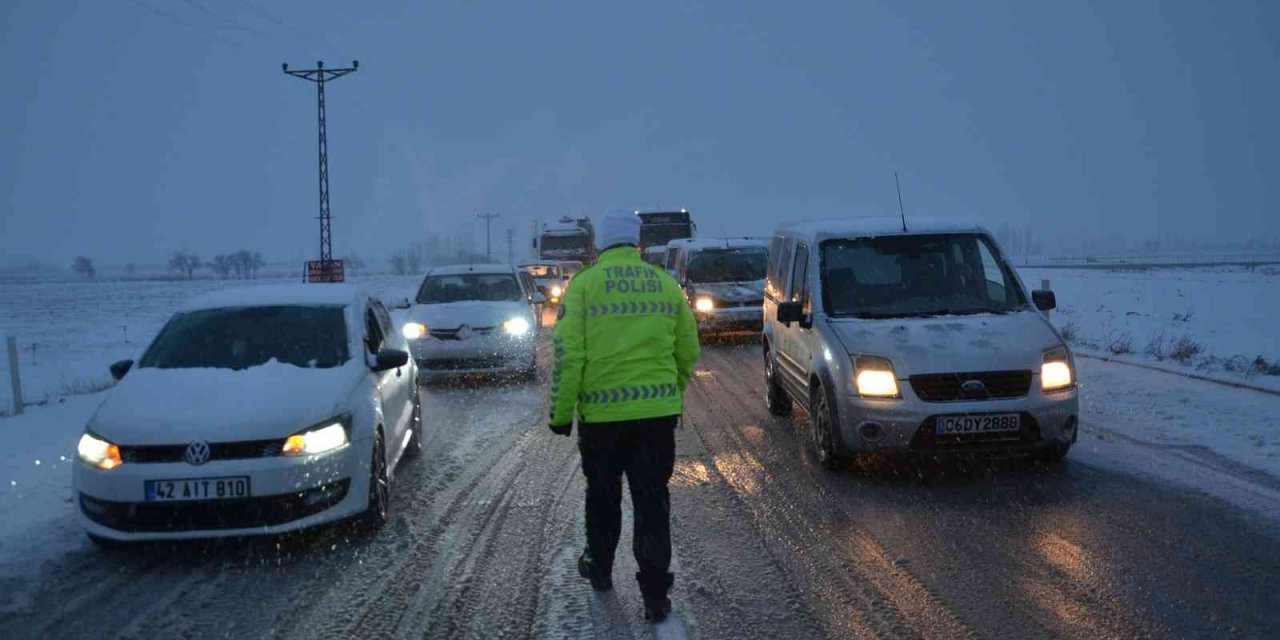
[[561, 430]]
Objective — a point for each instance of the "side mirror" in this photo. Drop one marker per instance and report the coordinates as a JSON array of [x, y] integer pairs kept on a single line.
[[538, 298], [400, 303], [118, 369], [789, 312], [390, 359], [1044, 300]]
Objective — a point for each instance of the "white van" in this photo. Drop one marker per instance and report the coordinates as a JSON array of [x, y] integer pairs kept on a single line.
[[918, 340]]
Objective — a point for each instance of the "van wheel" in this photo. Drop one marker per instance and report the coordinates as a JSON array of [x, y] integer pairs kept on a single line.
[[379, 488], [776, 398], [823, 441], [1055, 453]]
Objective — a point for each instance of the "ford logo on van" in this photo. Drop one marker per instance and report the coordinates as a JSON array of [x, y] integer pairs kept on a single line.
[[973, 387]]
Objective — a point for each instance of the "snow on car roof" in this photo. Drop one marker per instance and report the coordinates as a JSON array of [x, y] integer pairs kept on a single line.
[[698, 244], [455, 269], [278, 294], [880, 226]]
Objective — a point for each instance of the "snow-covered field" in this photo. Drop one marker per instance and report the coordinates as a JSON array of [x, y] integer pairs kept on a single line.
[[69, 332], [1220, 322]]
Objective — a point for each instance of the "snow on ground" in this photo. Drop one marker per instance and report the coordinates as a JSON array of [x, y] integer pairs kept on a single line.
[[1141, 316], [69, 332]]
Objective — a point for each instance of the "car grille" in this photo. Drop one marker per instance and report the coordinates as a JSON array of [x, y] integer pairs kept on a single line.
[[738, 304], [947, 387], [142, 454], [452, 334], [927, 438], [209, 515]]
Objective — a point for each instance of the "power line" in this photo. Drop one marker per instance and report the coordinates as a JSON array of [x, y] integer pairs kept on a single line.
[[488, 221], [312, 38], [225, 19], [175, 19]]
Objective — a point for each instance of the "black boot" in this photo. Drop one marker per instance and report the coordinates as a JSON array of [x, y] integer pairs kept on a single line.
[[601, 579], [657, 606]]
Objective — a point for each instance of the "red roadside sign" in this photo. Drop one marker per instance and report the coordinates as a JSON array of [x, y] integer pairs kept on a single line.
[[325, 271]]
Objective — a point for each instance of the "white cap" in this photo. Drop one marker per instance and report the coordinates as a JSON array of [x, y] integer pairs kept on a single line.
[[617, 228]]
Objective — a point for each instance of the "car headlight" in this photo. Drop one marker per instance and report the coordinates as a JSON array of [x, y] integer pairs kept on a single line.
[[516, 326], [1055, 372], [704, 304], [556, 291], [874, 377], [414, 330], [327, 436], [98, 452]]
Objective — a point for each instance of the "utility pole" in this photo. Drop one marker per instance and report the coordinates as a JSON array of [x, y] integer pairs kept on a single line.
[[488, 222], [320, 76], [511, 250]]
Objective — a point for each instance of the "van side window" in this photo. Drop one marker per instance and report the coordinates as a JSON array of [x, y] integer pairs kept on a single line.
[[994, 277], [800, 275], [779, 269]]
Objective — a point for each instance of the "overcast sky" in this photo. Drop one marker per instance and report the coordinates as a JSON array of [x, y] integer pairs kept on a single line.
[[133, 127]]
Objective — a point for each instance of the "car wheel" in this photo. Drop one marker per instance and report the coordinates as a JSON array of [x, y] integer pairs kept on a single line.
[[776, 399], [1055, 453], [414, 447], [823, 441], [379, 488], [530, 373]]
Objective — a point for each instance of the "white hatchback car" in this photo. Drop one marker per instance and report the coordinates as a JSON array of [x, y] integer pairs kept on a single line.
[[473, 319], [254, 411]]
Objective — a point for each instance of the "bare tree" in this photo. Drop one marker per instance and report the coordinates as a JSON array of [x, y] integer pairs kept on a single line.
[[413, 259], [353, 263], [84, 268], [221, 265], [399, 263], [185, 263]]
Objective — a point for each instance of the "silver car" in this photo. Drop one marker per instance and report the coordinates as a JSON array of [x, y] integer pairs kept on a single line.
[[724, 281], [915, 341]]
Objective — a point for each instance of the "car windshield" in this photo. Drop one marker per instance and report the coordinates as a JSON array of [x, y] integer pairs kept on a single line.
[[543, 270], [310, 336], [916, 275], [576, 242], [486, 287], [570, 268], [728, 265], [652, 235]]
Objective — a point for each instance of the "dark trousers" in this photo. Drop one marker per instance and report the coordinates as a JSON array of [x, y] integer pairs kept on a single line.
[[645, 450]]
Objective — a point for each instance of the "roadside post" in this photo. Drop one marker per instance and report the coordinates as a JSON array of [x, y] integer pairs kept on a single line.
[[1044, 285], [14, 377]]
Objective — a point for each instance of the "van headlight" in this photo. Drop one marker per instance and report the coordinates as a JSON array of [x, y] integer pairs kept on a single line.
[[326, 436], [1055, 372], [556, 291], [704, 304], [873, 377], [516, 326], [413, 330], [99, 453]]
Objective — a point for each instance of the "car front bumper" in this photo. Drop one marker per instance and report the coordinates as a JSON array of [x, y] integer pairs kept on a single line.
[[482, 354], [907, 425], [285, 494], [731, 319]]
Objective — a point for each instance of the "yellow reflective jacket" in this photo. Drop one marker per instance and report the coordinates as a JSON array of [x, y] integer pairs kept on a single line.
[[625, 343]]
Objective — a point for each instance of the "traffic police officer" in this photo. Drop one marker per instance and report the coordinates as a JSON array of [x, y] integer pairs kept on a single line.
[[625, 345]]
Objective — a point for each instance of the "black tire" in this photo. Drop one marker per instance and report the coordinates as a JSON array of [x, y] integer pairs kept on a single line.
[[1055, 453], [414, 448], [379, 488], [824, 447], [776, 399]]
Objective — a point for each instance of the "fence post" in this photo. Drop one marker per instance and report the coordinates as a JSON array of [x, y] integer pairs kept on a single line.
[[14, 378], [1044, 285]]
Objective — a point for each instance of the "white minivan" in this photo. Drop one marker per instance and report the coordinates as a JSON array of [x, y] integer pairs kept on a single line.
[[916, 338]]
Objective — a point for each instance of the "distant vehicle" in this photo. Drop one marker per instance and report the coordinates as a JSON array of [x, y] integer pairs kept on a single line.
[[547, 278], [656, 256], [570, 268], [473, 319], [723, 280], [922, 341], [254, 411], [570, 239], [657, 228]]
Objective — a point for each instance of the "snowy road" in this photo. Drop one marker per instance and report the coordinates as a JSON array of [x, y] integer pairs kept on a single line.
[[487, 523]]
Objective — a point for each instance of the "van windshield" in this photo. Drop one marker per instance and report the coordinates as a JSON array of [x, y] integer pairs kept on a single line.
[[728, 265], [917, 275]]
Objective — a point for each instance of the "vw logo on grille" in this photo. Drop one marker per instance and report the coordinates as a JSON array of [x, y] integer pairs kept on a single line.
[[973, 387], [197, 452]]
